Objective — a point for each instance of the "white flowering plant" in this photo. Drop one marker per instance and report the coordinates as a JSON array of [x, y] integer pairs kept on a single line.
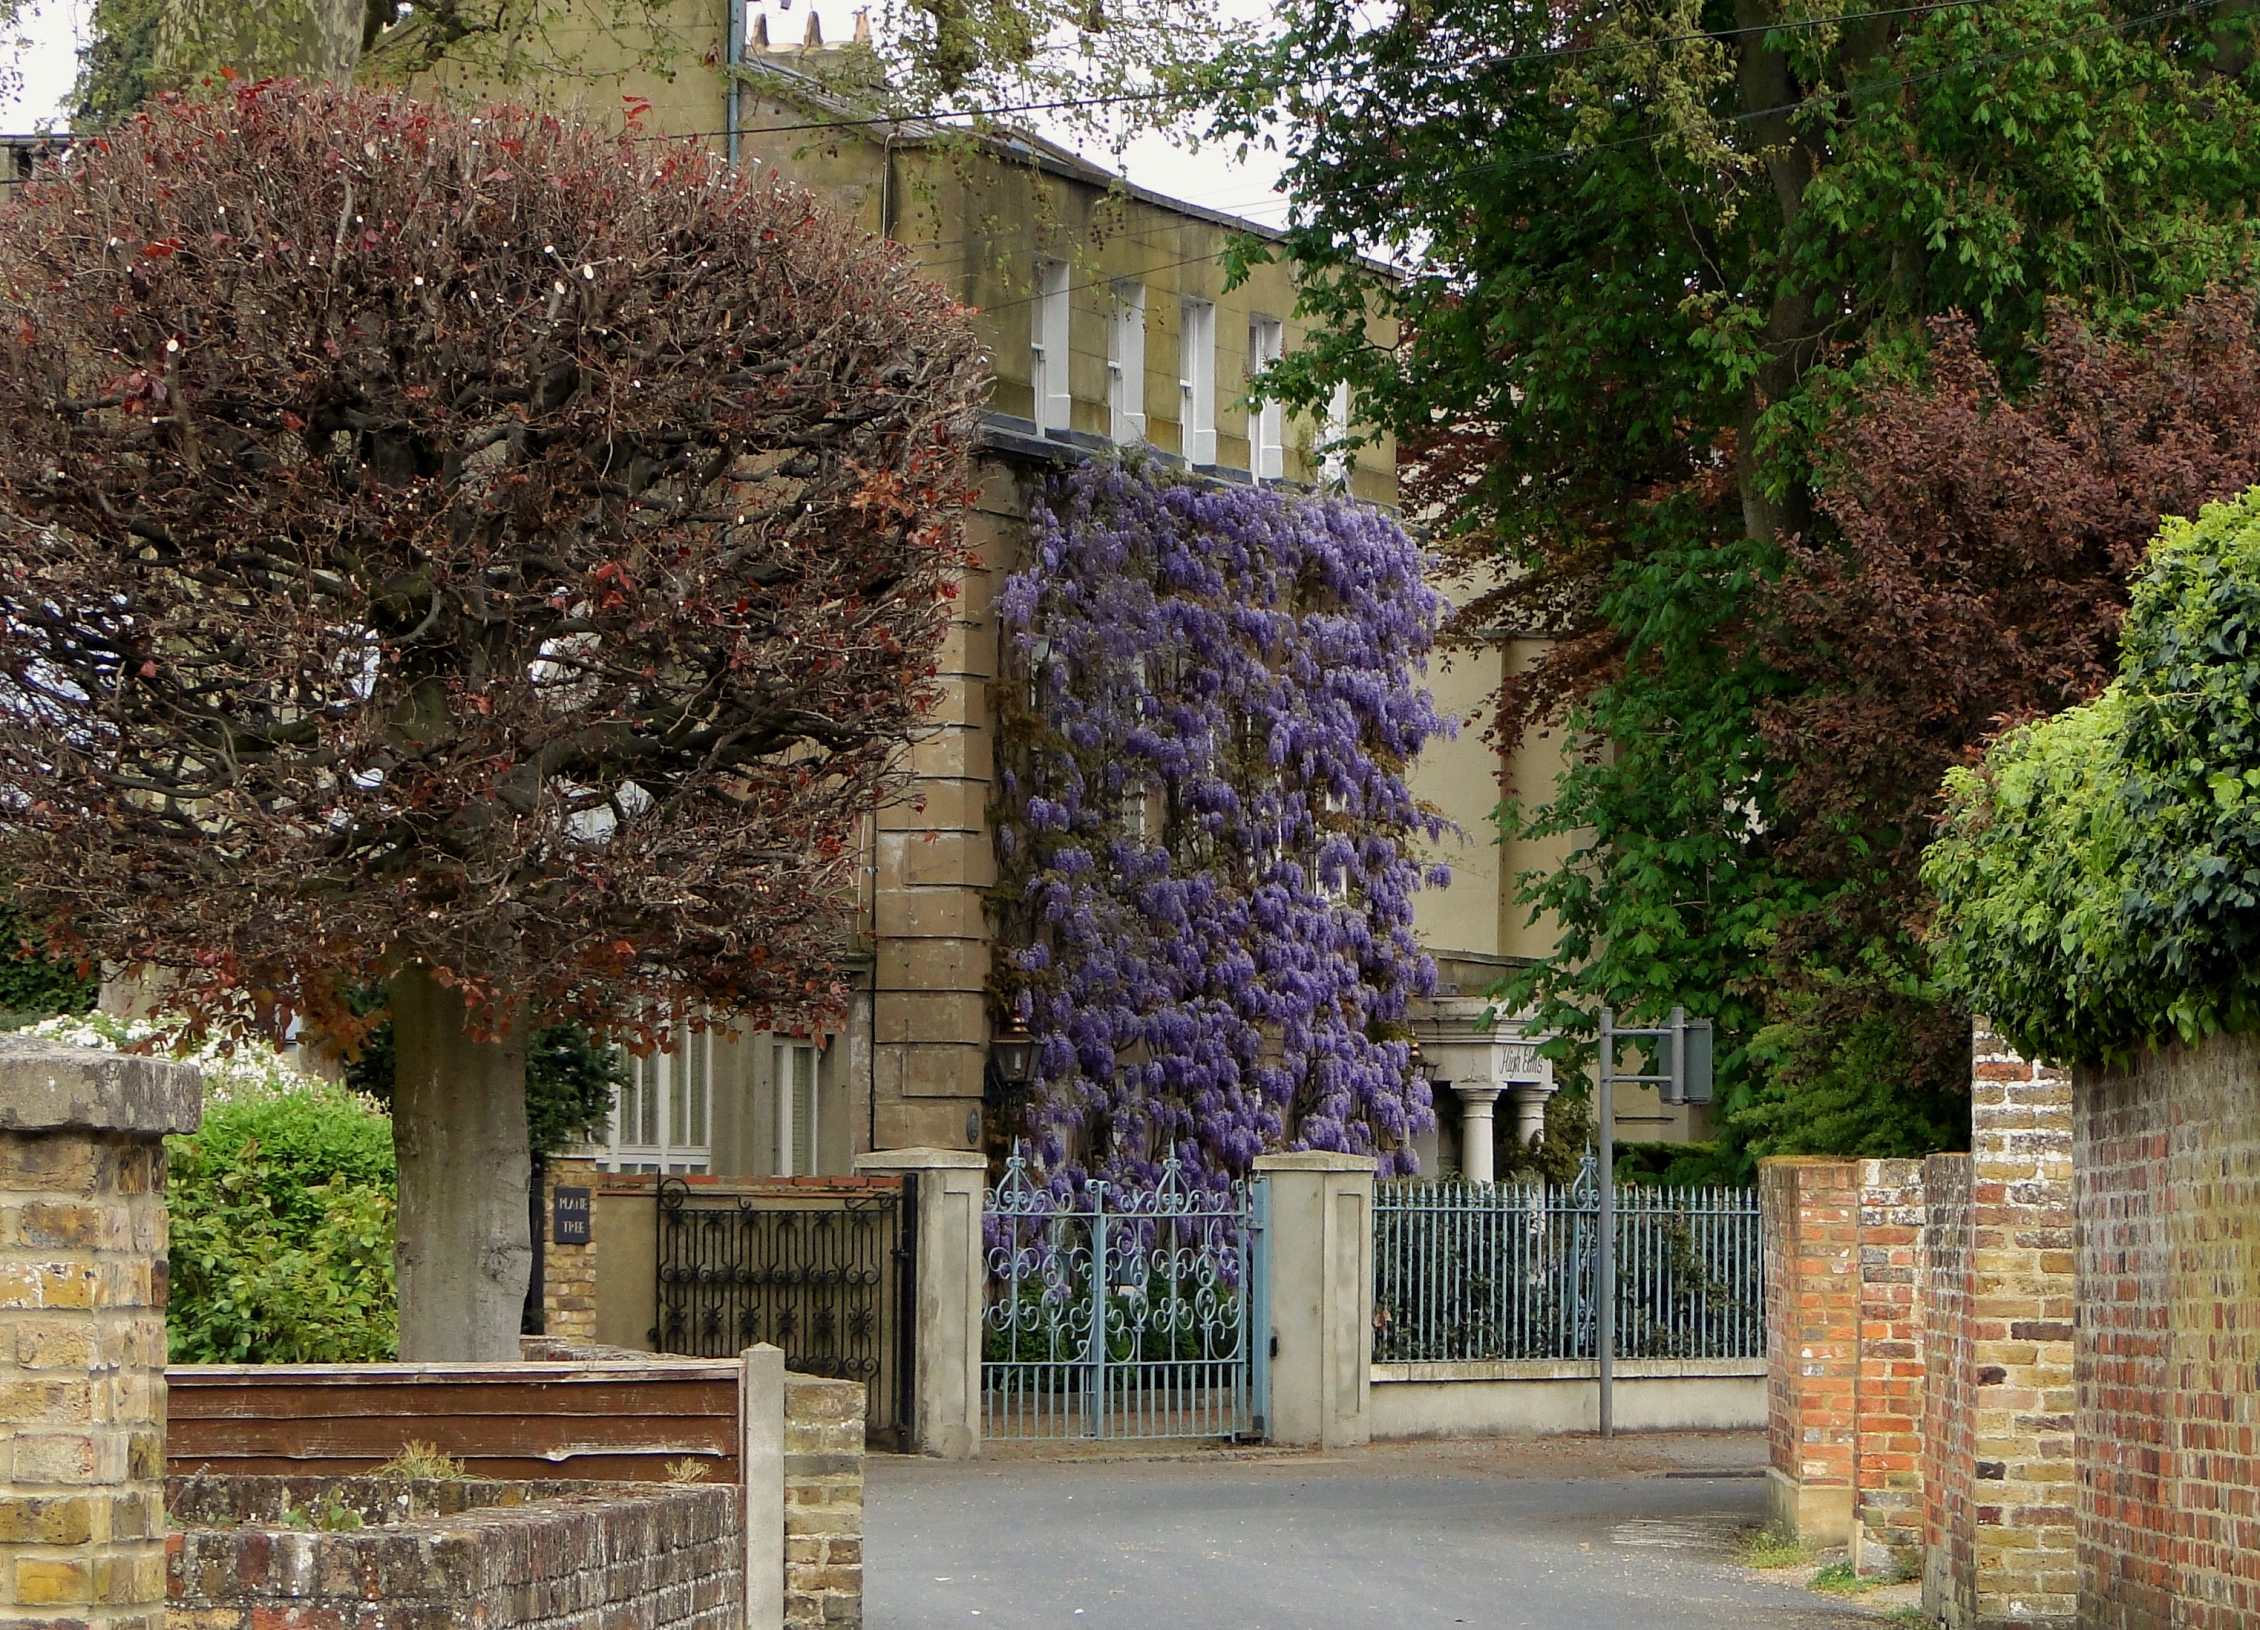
[[281, 1205]]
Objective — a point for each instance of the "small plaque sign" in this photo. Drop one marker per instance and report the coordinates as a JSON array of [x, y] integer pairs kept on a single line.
[[569, 1217]]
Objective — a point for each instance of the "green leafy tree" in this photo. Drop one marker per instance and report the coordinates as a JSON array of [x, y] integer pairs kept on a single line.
[[117, 67], [1660, 253], [2099, 875], [33, 980], [281, 1209]]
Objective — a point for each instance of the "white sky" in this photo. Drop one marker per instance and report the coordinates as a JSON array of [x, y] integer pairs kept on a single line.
[[1210, 177]]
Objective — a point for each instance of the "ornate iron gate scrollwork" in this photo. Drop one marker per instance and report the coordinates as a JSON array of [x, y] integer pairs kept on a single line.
[[829, 1278], [1117, 1312]]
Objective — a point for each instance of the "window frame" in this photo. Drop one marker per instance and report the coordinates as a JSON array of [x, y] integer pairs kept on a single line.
[[664, 1090], [1267, 421], [1196, 379], [1050, 348], [1126, 362]]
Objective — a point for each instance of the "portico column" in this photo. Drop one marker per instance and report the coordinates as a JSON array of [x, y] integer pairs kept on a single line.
[[1476, 1100], [1529, 1100]]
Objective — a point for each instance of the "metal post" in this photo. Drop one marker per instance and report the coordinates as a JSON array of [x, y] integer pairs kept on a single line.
[[1094, 1413], [733, 56], [1605, 1252]]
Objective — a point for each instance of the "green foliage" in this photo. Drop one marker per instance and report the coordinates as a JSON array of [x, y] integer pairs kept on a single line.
[[2099, 873], [118, 67], [1558, 1151], [281, 1210], [31, 980], [1662, 900], [1841, 1579], [571, 1079], [1647, 275], [1771, 1548]]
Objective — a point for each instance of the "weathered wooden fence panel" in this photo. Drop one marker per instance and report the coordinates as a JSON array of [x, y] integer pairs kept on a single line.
[[617, 1421]]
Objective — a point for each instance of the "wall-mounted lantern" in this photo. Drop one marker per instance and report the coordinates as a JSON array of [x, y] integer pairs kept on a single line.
[[1012, 1059]]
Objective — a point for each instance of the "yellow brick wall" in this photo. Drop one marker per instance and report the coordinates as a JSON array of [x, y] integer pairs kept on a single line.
[[82, 1395]]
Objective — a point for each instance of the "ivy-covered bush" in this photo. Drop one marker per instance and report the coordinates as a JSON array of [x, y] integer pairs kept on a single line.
[[2099, 874], [280, 1208], [1208, 849], [32, 980]]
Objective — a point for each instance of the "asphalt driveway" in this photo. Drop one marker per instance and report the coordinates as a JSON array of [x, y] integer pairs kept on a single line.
[[1555, 1534]]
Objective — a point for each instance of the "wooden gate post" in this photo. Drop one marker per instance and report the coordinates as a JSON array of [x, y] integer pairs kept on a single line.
[[82, 1332]]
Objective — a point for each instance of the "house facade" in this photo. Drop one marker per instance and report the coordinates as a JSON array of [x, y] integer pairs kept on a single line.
[[1105, 310]]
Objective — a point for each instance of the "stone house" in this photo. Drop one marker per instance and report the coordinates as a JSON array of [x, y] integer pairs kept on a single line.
[[1105, 311]]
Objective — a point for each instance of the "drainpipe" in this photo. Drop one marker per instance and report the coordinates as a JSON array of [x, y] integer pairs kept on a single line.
[[733, 56]]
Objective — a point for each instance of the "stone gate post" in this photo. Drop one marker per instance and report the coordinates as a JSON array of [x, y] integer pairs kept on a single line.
[[82, 1332], [946, 1389], [1318, 1241]]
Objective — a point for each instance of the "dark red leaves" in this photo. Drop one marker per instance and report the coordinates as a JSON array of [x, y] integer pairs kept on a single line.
[[1985, 548], [436, 578]]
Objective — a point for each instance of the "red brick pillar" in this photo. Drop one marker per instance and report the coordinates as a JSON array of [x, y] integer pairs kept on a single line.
[[2005, 1552], [1811, 1227], [1948, 1456], [1887, 1537]]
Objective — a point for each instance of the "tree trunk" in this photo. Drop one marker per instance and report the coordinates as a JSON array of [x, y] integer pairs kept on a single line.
[[459, 1133], [300, 39]]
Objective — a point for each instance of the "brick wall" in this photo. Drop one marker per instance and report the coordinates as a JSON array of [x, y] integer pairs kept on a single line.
[[82, 1390], [2167, 1368], [2021, 1316], [1810, 1232], [1919, 1356], [1949, 1452], [568, 1272], [823, 1502], [1888, 1397], [255, 1553]]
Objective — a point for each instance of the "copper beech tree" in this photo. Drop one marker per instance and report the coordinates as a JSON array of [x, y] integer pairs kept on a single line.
[[472, 552]]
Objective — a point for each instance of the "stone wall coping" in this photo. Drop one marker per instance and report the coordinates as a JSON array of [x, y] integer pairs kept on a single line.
[[50, 1086], [1563, 1369], [1313, 1160], [922, 1160]]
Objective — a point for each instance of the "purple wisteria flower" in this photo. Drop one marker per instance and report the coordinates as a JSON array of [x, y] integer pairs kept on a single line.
[[1207, 841]]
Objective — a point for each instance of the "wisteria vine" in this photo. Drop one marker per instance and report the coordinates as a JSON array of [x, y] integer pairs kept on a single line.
[[1208, 848]]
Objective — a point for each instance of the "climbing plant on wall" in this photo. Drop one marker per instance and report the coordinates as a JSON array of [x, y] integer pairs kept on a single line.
[[1208, 848]]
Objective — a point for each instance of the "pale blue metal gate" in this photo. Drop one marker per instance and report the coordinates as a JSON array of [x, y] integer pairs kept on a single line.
[[1119, 1312]]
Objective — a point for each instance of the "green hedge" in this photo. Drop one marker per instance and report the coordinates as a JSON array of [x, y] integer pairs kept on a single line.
[[282, 1209], [2098, 875]]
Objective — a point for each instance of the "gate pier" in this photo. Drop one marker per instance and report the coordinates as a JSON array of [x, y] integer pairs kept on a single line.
[[944, 1222], [1318, 1231]]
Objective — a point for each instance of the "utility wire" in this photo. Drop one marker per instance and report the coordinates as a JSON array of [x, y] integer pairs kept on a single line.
[[1196, 93]]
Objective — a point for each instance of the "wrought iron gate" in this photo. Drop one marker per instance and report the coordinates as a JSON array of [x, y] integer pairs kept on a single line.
[[830, 1278], [1117, 1312]]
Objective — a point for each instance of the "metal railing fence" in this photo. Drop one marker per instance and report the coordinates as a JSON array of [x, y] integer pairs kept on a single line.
[[1501, 1271]]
